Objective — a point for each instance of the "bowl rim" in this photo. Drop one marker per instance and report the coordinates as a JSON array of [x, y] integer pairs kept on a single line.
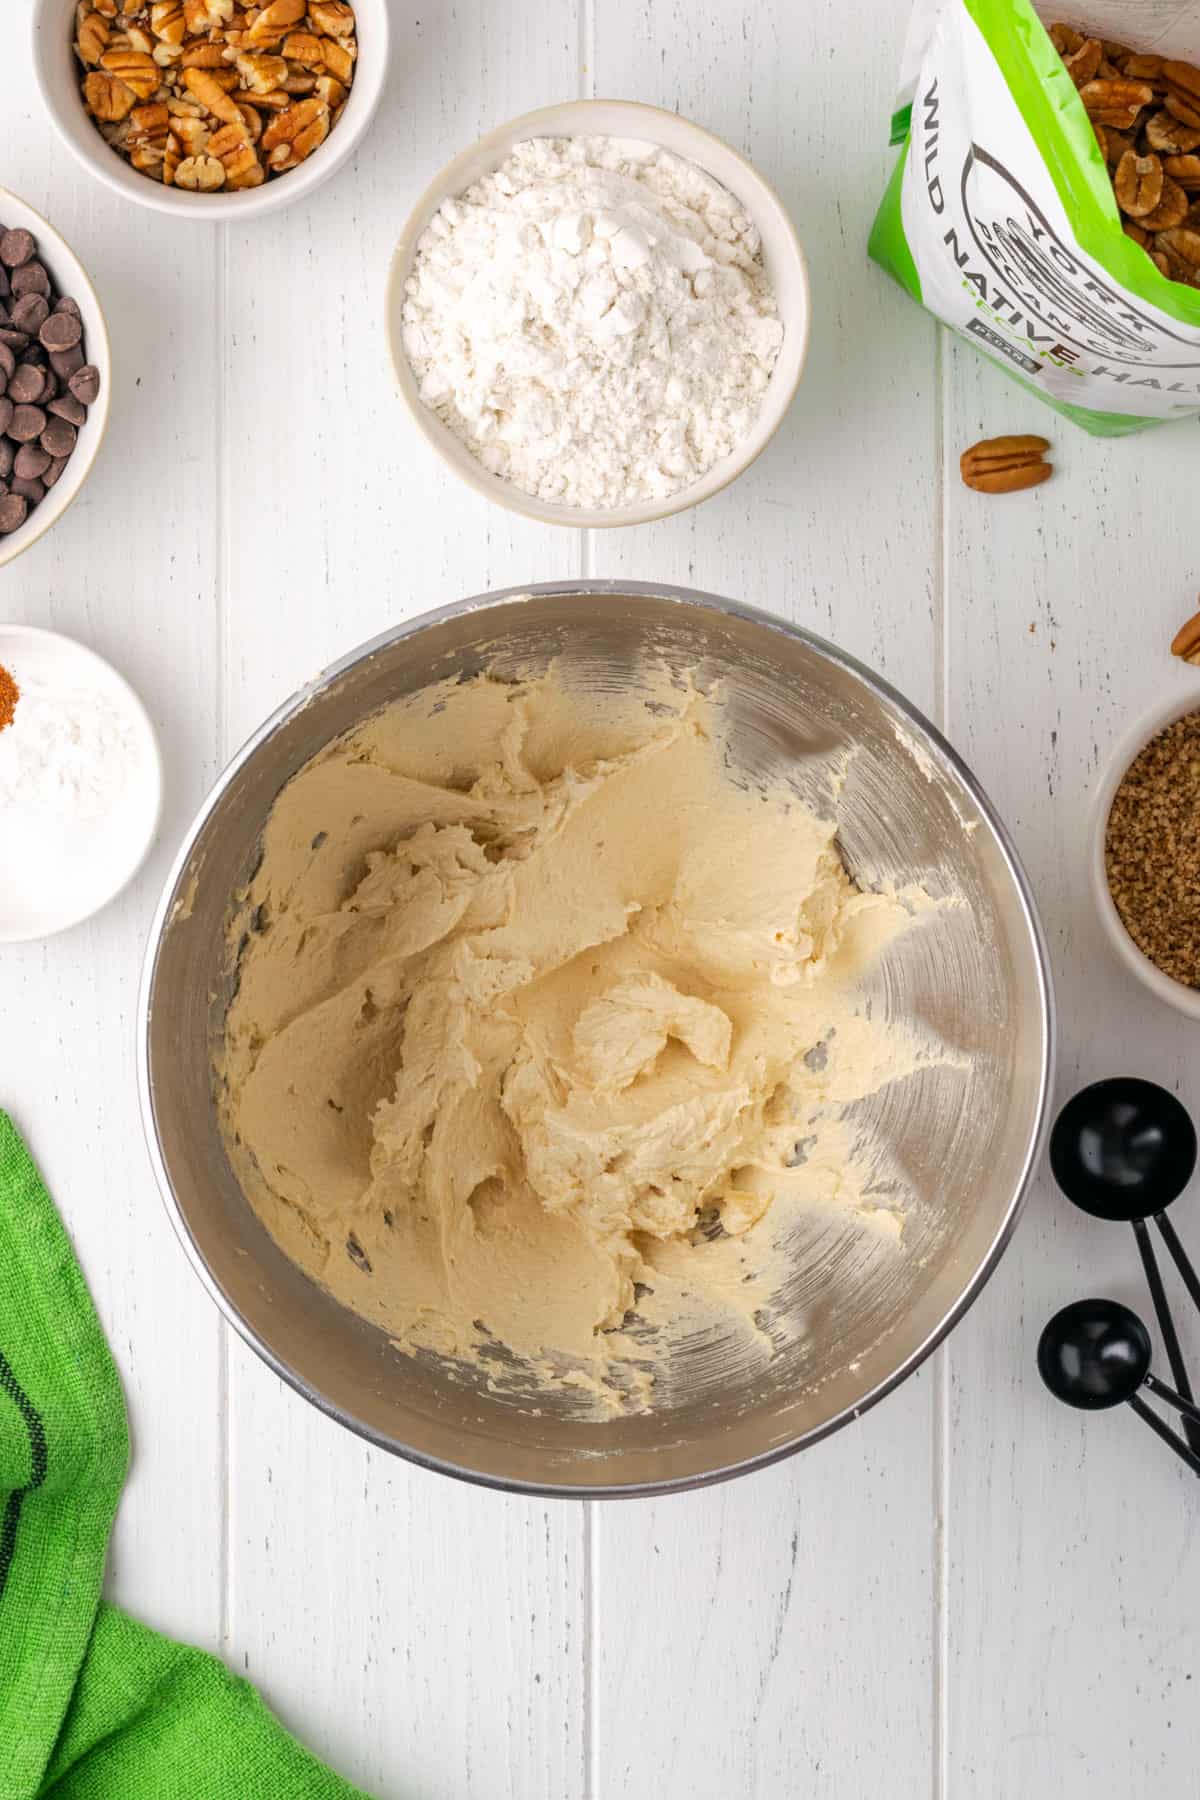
[[17, 542], [137, 708], [942, 751], [546, 121], [1132, 740], [370, 77]]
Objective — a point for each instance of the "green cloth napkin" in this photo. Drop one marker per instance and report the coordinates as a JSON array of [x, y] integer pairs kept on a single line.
[[94, 1706]]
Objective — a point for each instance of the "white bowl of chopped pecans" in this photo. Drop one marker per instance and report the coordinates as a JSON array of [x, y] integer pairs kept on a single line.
[[208, 109], [1141, 837]]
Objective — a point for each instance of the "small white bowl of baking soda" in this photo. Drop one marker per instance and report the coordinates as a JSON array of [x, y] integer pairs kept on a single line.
[[80, 783]]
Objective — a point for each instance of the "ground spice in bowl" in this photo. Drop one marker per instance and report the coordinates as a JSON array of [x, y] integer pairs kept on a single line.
[[1152, 850], [10, 693]]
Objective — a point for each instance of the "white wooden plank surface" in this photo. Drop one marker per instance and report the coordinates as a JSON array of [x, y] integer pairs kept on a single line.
[[1072, 1551], [970, 1593]]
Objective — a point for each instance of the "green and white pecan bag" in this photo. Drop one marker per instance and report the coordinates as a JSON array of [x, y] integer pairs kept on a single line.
[[1000, 216]]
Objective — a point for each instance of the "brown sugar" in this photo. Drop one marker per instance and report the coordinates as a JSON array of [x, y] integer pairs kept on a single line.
[[1152, 850]]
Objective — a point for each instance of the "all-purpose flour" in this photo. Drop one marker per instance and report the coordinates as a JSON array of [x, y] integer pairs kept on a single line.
[[593, 320]]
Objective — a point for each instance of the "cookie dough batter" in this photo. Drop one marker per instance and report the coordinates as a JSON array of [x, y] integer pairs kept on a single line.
[[544, 1026]]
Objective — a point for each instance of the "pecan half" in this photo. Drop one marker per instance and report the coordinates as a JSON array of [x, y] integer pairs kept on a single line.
[[238, 155], [1171, 209], [260, 73], [1186, 642], [295, 133], [1185, 170], [135, 68], [331, 17], [1083, 65], [1005, 465], [302, 47], [212, 96], [1183, 91], [107, 98], [91, 37], [1145, 68], [167, 21], [1113, 143], [272, 22], [202, 174], [1116, 102], [1169, 136], [1138, 184], [338, 56], [1066, 39], [1183, 244]]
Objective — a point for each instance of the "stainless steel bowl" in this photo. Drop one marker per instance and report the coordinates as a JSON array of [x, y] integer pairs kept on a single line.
[[909, 811]]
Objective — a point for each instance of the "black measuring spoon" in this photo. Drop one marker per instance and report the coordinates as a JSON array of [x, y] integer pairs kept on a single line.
[[1123, 1149], [1096, 1353]]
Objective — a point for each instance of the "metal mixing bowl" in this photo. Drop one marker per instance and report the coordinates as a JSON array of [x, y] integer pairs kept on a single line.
[[966, 1139]]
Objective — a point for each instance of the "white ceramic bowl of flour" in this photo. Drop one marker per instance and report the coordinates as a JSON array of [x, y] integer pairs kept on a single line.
[[782, 258], [80, 785]]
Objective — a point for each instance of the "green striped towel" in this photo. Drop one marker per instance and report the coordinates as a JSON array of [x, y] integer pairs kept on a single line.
[[94, 1706]]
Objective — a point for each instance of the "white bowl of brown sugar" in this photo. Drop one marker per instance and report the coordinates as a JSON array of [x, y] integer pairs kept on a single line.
[[1144, 850]]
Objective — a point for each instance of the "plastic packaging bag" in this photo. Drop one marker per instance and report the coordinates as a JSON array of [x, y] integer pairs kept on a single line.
[[1000, 216]]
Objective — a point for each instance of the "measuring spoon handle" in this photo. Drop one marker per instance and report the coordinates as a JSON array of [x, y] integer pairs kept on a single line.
[[1170, 1238], [1188, 1408], [1166, 1323], [1165, 1433]]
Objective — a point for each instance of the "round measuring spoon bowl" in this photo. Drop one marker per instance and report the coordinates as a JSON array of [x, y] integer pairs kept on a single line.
[[1123, 1148], [1094, 1354]]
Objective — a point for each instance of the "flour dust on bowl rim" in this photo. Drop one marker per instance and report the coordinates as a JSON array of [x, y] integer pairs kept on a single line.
[[967, 1137]]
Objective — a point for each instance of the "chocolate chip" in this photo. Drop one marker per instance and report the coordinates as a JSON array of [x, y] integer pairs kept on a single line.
[[31, 278], [31, 461], [30, 312], [58, 439], [84, 383], [46, 381], [68, 408], [66, 362], [61, 331], [16, 247], [25, 384], [27, 423]]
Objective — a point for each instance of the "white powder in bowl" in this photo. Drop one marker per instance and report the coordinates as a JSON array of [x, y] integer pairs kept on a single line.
[[68, 751], [593, 320]]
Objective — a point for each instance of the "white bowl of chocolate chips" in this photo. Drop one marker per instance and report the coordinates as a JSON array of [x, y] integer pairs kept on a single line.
[[54, 369]]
